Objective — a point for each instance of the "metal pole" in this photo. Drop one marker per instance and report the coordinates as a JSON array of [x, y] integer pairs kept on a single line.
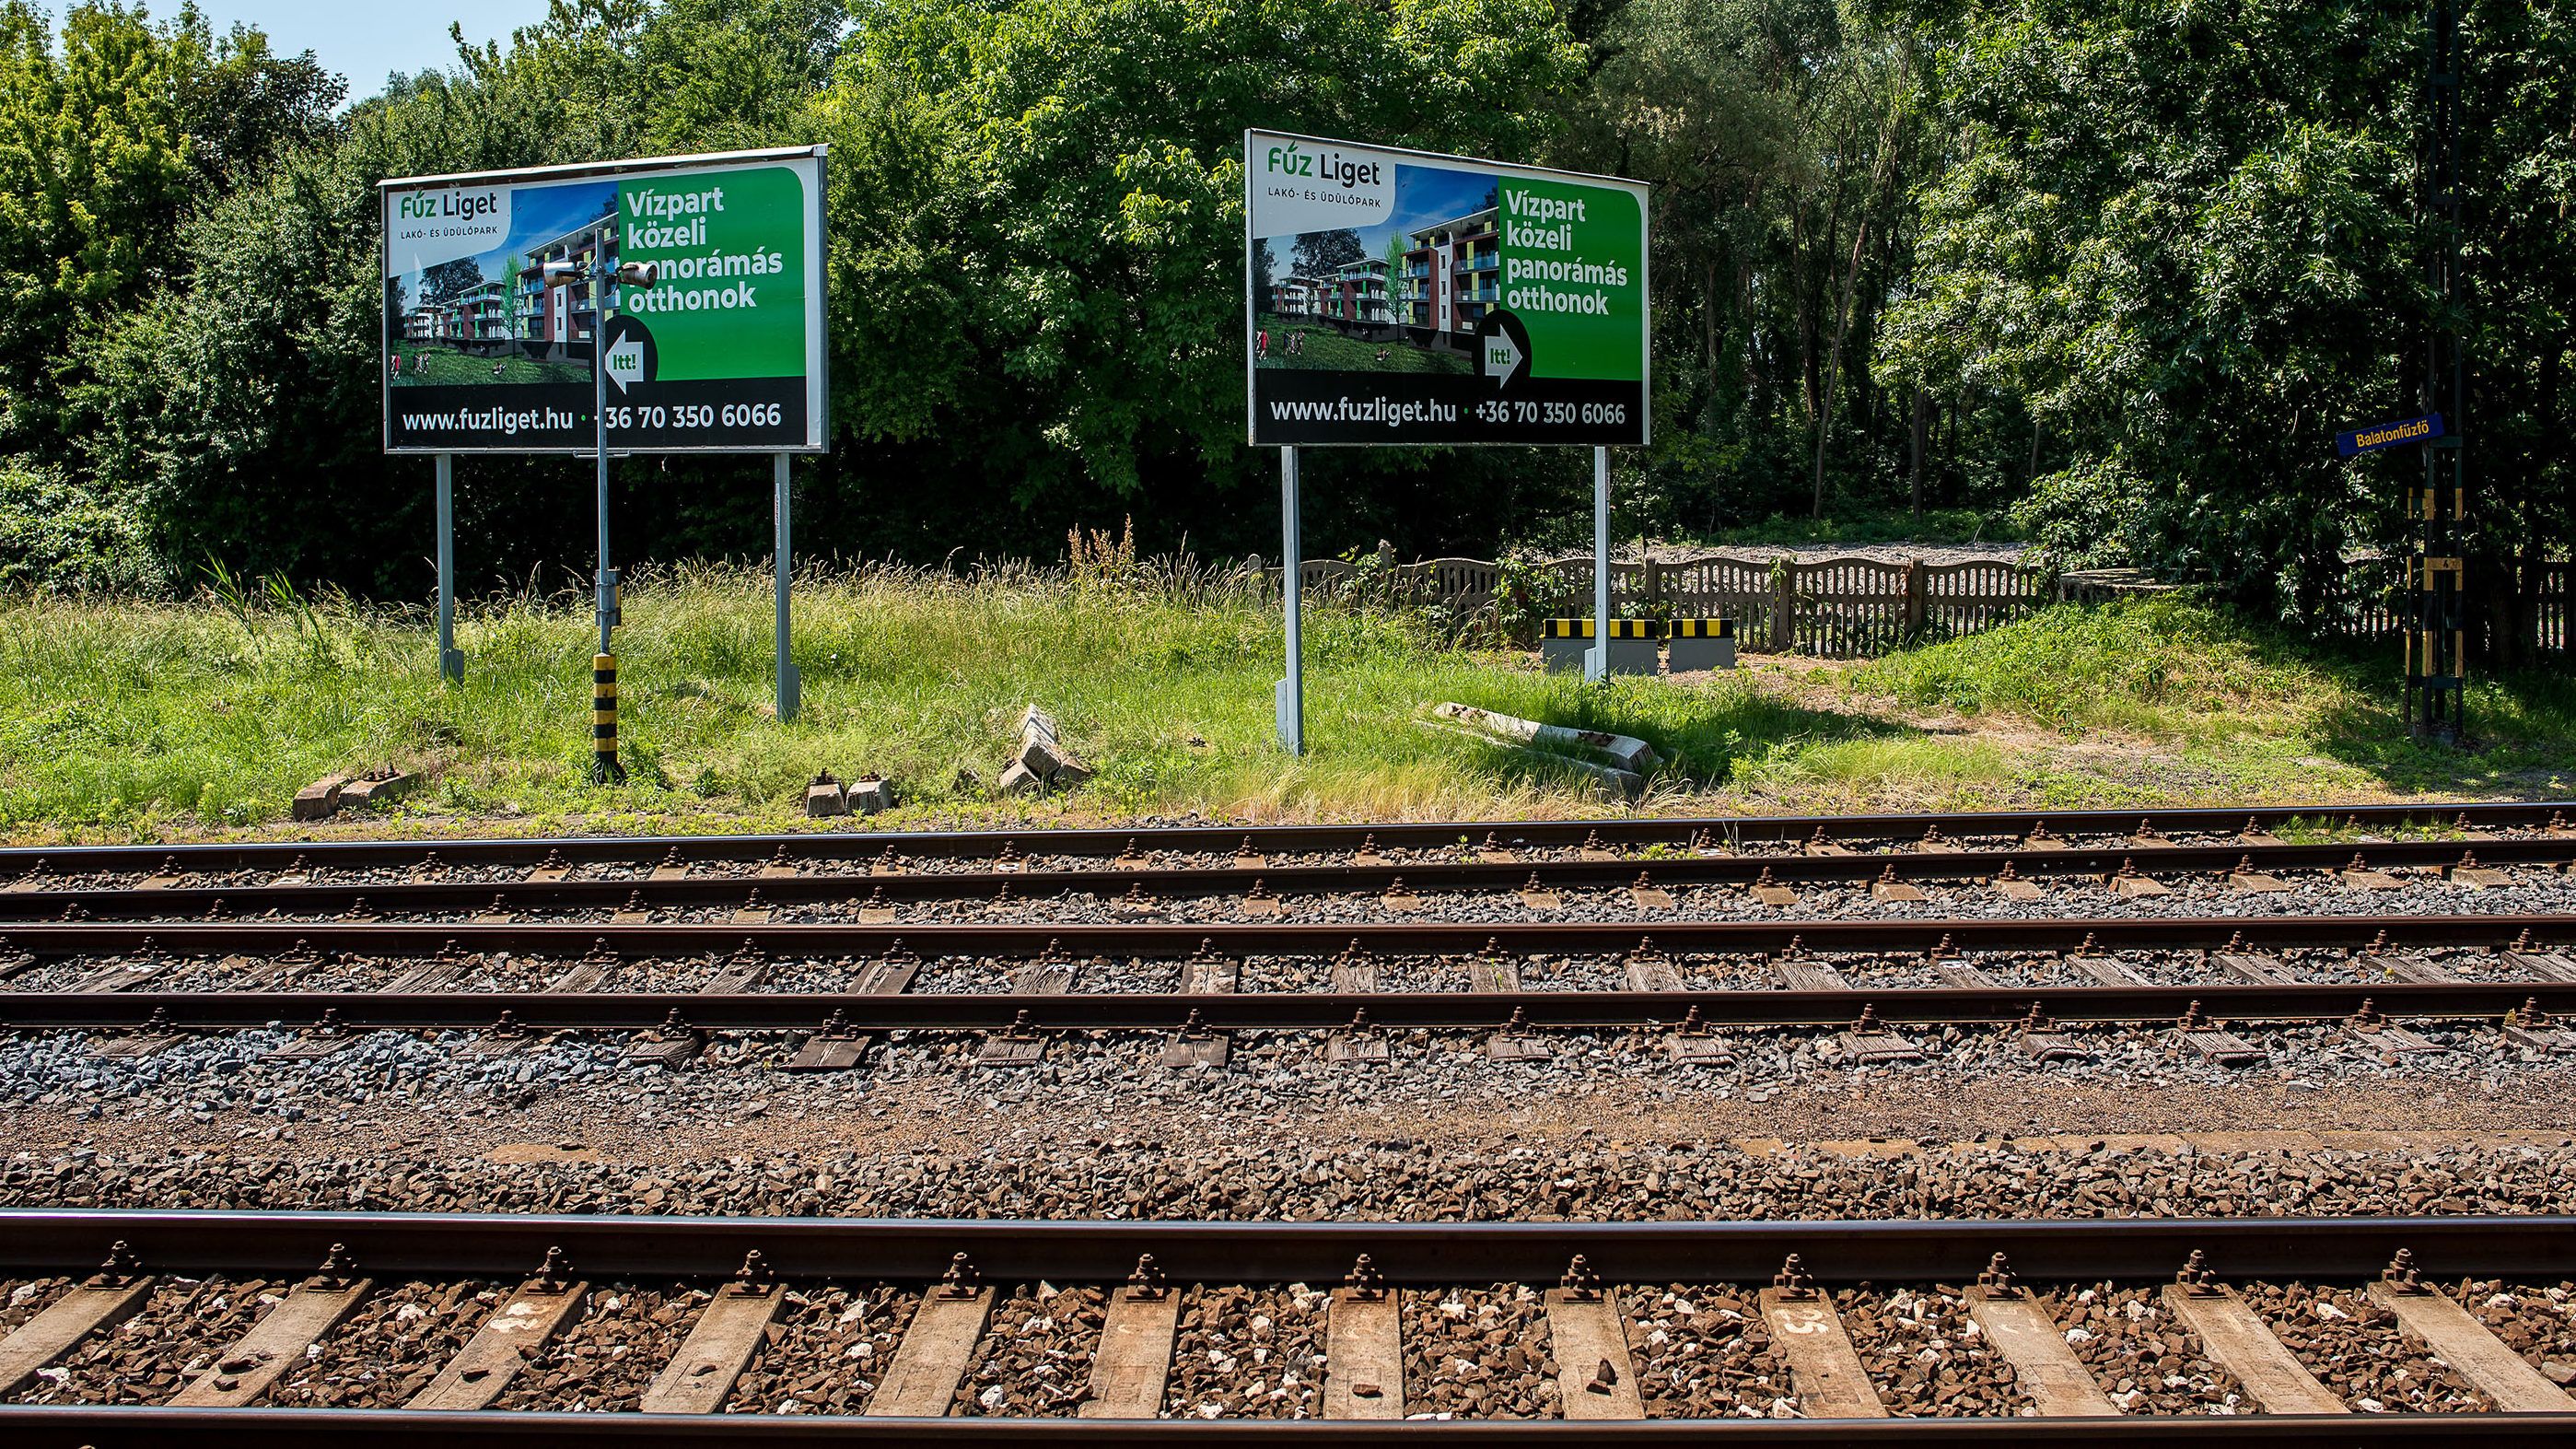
[[1596, 660], [789, 686], [604, 767], [1291, 700], [599, 404], [451, 660]]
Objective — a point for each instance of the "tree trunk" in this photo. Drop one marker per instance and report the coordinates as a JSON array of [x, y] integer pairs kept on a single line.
[[1914, 453], [1833, 363]]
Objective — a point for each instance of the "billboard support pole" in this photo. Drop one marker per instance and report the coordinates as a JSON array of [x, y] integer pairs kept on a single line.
[[451, 660], [1596, 660], [604, 768], [790, 688], [1292, 690]]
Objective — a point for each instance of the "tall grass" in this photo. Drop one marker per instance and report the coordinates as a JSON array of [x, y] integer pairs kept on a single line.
[[128, 720]]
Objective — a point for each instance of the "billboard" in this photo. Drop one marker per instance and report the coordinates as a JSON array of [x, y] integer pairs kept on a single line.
[[1396, 297], [491, 326]]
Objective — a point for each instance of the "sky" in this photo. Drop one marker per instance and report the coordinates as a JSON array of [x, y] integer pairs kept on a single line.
[[365, 41], [1423, 195]]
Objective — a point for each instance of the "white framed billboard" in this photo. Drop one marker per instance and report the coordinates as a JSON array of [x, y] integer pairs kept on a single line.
[[491, 326], [1397, 297]]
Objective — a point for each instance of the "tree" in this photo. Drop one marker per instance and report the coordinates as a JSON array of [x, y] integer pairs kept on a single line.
[[2191, 299], [1319, 253], [449, 281], [1036, 255], [94, 167]]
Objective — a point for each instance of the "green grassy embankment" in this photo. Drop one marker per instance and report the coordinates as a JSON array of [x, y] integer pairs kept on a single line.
[[425, 366], [1327, 349], [127, 720]]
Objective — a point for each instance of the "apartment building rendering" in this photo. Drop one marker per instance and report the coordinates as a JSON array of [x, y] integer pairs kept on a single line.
[[1452, 276], [522, 306], [1354, 295], [1449, 277]]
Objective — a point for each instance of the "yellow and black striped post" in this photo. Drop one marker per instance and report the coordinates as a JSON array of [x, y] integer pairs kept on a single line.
[[604, 769]]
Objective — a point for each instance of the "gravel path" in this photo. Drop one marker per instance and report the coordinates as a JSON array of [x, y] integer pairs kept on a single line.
[[604, 1359], [24, 1298], [2141, 1355], [183, 1324], [1388, 1178], [1925, 1355], [390, 1346], [1248, 1353]]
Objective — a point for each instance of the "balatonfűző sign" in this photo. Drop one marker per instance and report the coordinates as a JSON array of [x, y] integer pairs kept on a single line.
[[490, 322], [2379, 436], [1399, 297]]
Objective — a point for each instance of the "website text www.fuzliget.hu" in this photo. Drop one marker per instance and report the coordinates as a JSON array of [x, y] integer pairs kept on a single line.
[[1362, 410], [507, 421]]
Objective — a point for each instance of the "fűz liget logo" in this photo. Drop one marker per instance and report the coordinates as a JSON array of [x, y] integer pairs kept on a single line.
[[430, 227], [1304, 188]]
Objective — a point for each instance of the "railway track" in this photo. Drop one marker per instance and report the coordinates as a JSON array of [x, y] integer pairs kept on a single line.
[[1710, 832], [734, 1305], [2034, 973], [889, 884]]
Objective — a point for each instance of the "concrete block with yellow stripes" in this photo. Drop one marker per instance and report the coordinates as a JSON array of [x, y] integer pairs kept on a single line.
[[1635, 645], [1700, 644]]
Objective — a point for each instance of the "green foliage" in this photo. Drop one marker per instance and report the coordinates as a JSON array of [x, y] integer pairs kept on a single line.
[[57, 534], [2193, 296], [2162, 666], [1036, 256], [105, 140]]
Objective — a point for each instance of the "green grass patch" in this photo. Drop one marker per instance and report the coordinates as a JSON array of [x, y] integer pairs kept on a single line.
[[2251, 710], [125, 720], [2157, 666], [1326, 349], [430, 365]]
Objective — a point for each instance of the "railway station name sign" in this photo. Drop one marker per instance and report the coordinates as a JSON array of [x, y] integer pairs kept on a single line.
[[1398, 297], [2377, 436], [491, 322]]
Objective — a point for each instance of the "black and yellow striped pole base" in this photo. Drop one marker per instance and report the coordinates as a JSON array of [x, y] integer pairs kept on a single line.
[[604, 769]]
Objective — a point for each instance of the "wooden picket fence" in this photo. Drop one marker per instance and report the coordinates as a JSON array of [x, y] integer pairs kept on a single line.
[[1837, 607], [1840, 607], [2371, 603]]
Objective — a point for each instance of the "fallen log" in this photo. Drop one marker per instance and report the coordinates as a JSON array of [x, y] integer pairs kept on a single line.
[[1633, 755], [1609, 782]]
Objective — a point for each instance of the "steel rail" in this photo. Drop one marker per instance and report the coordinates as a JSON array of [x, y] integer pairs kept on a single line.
[[1727, 831], [156, 1428], [1014, 939], [54, 1241], [1911, 1250], [1275, 1011], [431, 897]]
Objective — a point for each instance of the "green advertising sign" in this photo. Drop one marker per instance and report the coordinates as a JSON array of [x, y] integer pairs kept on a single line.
[[492, 325], [1398, 297]]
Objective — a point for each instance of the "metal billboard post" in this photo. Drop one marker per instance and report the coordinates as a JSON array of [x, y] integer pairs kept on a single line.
[[1291, 694], [604, 767], [1524, 322], [790, 688], [1596, 660], [451, 660]]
